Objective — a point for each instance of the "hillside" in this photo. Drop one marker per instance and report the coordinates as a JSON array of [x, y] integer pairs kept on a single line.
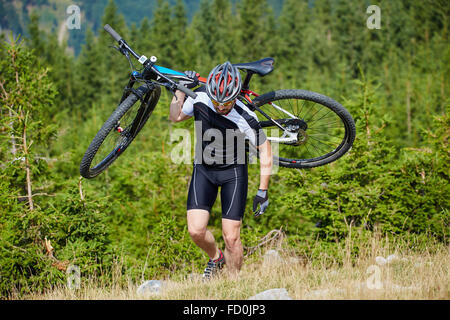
[[14, 15], [129, 222]]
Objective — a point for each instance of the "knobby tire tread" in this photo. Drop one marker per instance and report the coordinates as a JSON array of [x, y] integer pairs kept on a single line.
[[323, 100]]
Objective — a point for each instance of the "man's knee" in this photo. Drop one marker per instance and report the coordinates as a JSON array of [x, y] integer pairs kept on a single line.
[[197, 233], [231, 230], [232, 241], [197, 223]]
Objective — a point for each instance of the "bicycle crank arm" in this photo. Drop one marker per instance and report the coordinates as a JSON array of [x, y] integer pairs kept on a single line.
[[291, 139]]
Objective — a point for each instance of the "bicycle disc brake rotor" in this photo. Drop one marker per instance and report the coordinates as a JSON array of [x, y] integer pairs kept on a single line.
[[299, 127]]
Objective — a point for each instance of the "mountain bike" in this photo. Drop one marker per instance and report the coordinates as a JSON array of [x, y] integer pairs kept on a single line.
[[310, 129]]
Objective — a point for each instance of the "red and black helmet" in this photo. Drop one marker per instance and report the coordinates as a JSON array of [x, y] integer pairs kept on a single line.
[[224, 83]]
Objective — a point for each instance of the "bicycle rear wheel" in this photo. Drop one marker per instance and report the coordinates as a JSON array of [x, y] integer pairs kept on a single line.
[[323, 128], [119, 131]]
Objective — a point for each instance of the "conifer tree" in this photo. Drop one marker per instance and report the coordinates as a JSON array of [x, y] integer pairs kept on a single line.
[[144, 41], [115, 68], [349, 28], [179, 35], [252, 29], [90, 75], [292, 51], [162, 31], [224, 38], [36, 37], [201, 36], [27, 108]]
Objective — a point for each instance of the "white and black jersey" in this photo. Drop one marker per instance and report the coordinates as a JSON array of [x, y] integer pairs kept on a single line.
[[221, 138]]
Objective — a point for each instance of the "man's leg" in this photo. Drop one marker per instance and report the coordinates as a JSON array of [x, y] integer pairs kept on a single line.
[[231, 230], [234, 196], [197, 221]]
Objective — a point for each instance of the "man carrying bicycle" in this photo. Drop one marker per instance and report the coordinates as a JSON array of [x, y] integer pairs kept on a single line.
[[222, 122]]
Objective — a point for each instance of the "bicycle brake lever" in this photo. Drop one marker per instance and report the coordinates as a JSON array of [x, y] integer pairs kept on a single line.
[[169, 87], [114, 48], [121, 50]]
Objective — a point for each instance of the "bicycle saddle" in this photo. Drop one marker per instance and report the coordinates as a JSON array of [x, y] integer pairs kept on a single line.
[[261, 67]]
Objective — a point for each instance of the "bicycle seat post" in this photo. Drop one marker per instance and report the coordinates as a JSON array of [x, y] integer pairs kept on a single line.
[[246, 84]]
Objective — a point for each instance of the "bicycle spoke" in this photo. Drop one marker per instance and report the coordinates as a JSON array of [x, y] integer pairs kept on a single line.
[[324, 131]]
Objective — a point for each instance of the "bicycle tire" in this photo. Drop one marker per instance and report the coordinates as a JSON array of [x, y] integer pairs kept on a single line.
[[150, 97], [344, 141]]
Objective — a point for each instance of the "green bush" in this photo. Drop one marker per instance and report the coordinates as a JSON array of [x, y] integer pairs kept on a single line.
[[372, 186]]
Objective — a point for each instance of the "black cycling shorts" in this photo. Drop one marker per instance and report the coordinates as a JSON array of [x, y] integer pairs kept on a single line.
[[204, 186]]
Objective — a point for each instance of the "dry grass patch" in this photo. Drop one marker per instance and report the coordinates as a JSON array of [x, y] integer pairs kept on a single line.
[[411, 275]]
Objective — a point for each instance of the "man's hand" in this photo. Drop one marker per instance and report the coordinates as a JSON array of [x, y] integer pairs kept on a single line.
[[261, 198], [193, 83]]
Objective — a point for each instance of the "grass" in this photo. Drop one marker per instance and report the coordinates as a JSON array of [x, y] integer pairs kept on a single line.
[[413, 274]]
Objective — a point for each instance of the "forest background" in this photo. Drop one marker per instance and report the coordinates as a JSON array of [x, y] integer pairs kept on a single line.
[[59, 85]]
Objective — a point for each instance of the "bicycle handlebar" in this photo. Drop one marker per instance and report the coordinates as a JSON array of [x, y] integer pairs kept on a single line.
[[187, 91], [119, 39], [112, 32]]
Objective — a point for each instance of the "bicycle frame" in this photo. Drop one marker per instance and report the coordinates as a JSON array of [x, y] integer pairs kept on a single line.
[[155, 72], [152, 77], [246, 94]]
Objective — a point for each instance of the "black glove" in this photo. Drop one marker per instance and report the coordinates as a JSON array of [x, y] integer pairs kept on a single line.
[[261, 198], [190, 83]]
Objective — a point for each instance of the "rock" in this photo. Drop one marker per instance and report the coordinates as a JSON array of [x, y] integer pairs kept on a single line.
[[272, 294], [391, 258], [272, 257], [294, 260], [423, 264], [150, 287], [325, 293], [380, 261], [396, 287]]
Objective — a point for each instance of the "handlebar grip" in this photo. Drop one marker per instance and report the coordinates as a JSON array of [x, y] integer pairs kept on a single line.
[[187, 91], [112, 32]]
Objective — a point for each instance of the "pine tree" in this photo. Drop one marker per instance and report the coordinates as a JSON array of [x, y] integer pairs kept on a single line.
[[252, 29], [200, 35], [27, 97], [114, 66], [349, 28], [54, 55], [35, 34], [144, 41], [292, 50], [179, 35], [90, 77], [224, 32], [162, 30]]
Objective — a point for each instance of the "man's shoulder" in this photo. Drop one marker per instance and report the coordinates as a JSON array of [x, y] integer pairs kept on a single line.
[[202, 97], [200, 89]]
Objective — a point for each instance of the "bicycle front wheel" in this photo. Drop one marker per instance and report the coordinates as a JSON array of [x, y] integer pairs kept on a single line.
[[119, 131], [317, 130]]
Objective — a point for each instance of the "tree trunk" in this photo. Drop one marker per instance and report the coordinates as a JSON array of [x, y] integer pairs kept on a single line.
[[13, 140], [408, 107], [27, 164]]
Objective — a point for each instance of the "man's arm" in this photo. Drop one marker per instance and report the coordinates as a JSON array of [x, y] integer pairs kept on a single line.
[[176, 115], [262, 199], [266, 162]]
